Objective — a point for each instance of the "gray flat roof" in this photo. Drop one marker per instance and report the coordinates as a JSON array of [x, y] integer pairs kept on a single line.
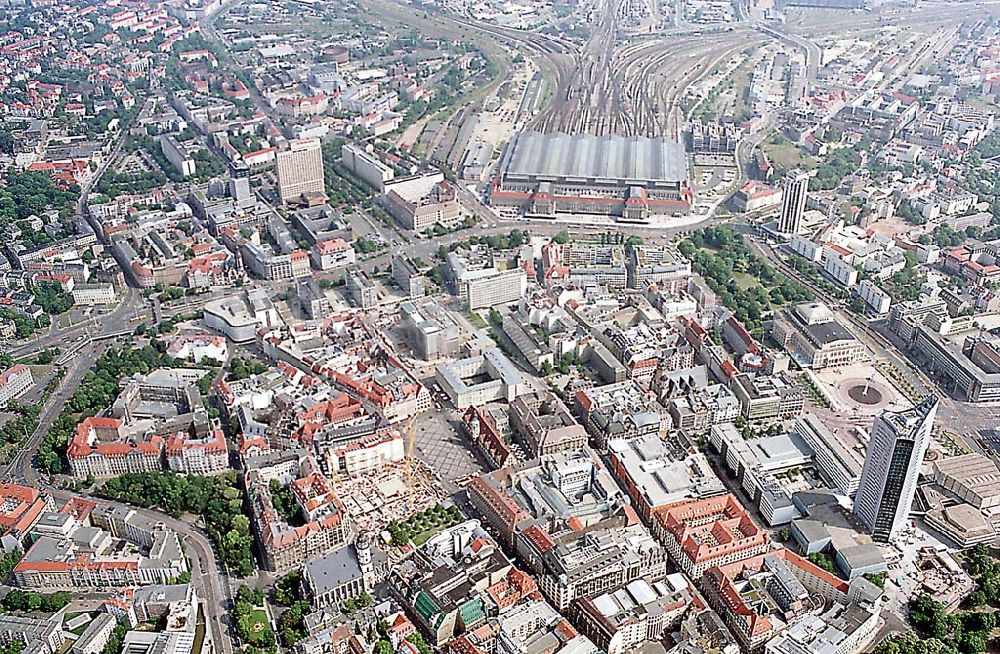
[[633, 160]]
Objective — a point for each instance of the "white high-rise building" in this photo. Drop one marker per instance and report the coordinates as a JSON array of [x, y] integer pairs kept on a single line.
[[793, 203], [300, 169], [896, 451]]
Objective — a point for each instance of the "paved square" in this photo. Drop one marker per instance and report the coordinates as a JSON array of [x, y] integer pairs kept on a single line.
[[442, 445]]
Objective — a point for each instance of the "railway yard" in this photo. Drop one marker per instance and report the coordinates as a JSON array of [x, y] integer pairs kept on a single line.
[[618, 81]]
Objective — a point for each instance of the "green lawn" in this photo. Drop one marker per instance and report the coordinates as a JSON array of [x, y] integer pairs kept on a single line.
[[40, 371], [421, 526], [259, 623], [79, 630], [424, 536], [745, 281], [787, 156], [477, 320], [982, 102]]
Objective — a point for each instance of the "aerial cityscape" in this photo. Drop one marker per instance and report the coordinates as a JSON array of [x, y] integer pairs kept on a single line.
[[482, 327]]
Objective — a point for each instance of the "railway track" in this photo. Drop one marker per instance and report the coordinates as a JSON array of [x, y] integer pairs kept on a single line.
[[614, 83]]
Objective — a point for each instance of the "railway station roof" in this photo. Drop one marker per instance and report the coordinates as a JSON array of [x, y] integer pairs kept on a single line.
[[628, 160]]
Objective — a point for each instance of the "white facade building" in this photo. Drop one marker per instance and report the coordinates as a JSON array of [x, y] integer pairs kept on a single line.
[[896, 451]]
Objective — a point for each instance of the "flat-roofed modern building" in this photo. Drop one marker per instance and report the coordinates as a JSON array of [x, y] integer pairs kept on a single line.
[[36, 635], [970, 365], [431, 331], [658, 472], [972, 477], [629, 178], [300, 170], [481, 379], [177, 155], [486, 280], [838, 462], [793, 203]]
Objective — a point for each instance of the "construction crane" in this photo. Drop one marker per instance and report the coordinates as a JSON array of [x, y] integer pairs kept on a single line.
[[411, 438]]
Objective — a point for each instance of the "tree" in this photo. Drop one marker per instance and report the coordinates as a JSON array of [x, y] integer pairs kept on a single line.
[[217, 499], [973, 642], [6, 142], [286, 589], [562, 238], [291, 626], [52, 298], [823, 561], [19, 600], [7, 563], [925, 611], [117, 639], [417, 640], [910, 643]]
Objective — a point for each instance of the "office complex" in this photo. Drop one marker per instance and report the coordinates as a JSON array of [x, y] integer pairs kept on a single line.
[[481, 379], [431, 331], [898, 443], [177, 155], [300, 170], [407, 276], [485, 280], [793, 204]]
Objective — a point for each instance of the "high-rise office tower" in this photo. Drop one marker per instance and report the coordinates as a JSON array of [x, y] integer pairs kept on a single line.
[[793, 204], [300, 169], [239, 185], [896, 451]]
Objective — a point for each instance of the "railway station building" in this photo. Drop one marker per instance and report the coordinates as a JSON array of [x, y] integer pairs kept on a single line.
[[631, 179]]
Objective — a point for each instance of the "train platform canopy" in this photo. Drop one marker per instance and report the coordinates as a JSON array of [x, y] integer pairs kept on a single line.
[[558, 157]]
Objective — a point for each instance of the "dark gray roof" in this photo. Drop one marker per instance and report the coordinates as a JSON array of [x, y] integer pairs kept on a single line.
[[632, 160], [333, 570], [825, 333]]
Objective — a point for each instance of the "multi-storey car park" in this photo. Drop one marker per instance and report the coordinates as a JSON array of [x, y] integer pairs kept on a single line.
[[631, 179]]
